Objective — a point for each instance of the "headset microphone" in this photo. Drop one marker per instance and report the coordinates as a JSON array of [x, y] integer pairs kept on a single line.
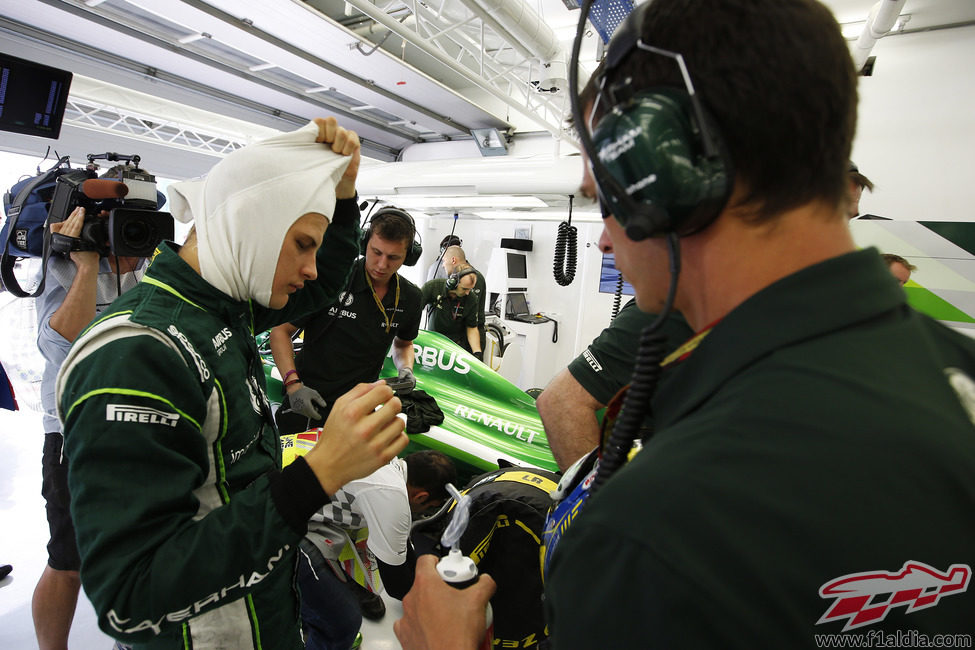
[[99, 188]]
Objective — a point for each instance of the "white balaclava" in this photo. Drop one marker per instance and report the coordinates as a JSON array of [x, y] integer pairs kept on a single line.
[[245, 205]]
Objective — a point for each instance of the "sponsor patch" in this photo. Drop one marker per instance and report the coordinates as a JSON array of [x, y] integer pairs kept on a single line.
[[591, 358], [866, 598], [140, 414]]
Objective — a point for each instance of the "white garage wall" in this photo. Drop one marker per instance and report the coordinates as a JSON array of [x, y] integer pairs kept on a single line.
[[916, 132]]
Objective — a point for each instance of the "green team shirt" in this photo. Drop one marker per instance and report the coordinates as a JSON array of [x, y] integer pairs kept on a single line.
[[814, 461], [449, 316], [607, 364]]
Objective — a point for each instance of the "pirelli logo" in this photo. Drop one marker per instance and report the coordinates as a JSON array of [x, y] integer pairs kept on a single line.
[[588, 356], [140, 414]]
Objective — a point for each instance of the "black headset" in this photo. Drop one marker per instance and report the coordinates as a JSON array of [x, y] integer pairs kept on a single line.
[[413, 251], [658, 161], [453, 280]]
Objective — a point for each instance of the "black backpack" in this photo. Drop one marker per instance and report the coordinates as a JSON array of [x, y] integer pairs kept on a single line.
[[24, 233]]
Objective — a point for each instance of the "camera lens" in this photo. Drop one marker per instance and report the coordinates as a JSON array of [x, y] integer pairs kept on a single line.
[[136, 234]]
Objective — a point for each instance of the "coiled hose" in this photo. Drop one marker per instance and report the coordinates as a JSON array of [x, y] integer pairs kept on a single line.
[[565, 251]]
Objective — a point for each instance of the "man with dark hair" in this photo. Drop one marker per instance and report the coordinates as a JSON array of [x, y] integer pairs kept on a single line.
[[899, 267], [857, 183], [346, 343], [789, 489], [385, 502]]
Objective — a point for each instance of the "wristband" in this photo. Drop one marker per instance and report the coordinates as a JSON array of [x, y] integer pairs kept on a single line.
[[293, 381], [288, 374]]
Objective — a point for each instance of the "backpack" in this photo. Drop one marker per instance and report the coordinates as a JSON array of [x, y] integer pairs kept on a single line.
[[24, 233]]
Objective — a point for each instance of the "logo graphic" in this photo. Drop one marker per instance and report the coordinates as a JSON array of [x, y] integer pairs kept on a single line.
[[346, 298], [866, 598], [142, 414], [591, 358]]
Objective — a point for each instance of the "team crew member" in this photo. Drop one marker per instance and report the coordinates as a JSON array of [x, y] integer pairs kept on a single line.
[[454, 259], [802, 479], [569, 404], [452, 309], [385, 503], [186, 526], [79, 288], [346, 343]]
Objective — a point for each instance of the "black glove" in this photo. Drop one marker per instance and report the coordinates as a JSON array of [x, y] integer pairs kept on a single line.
[[480, 355]]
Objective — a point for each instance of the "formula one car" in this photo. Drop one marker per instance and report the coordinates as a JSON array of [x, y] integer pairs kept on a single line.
[[487, 420]]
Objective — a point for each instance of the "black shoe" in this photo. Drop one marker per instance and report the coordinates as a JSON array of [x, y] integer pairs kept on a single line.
[[5, 571], [371, 605]]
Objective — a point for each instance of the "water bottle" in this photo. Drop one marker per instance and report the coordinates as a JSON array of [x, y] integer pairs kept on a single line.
[[455, 568]]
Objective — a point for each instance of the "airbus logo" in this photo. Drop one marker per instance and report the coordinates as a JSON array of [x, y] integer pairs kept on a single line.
[[866, 598]]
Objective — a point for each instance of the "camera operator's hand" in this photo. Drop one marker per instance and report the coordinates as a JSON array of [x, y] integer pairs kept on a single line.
[[71, 227], [304, 399], [346, 143]]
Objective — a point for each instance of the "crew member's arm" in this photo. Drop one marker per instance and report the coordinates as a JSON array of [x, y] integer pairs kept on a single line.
[[403, 355], [437, 616], [474, 338], [568, 414], [470, 319], [282, 347], [78, 307]]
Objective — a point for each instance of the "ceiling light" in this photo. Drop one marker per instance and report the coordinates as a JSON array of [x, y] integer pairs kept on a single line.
[[486, 201], [193, 37], [490, 142]]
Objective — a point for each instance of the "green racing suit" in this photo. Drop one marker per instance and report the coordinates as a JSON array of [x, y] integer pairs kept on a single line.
[[196, 547]]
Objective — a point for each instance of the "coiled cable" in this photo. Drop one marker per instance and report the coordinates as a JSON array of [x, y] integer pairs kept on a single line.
[[565, 251], [617, 298]]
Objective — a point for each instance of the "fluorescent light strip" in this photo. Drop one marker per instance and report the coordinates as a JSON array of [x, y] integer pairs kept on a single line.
[[471, 201]]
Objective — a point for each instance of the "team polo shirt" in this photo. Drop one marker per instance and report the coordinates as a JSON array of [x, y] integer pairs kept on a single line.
[[450, 316], [346, 343], [607, 364], [812, 473]]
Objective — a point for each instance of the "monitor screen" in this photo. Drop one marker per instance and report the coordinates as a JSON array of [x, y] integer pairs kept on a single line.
[[609, 277], [517, 305], [32, 97], [517, 267]]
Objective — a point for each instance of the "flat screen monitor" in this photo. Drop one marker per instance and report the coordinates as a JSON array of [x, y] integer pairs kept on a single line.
[[609, 277], [32, 97], [517, 266], [516, 305]]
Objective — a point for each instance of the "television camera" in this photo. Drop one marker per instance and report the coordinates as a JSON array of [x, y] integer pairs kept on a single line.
[[134, 225]]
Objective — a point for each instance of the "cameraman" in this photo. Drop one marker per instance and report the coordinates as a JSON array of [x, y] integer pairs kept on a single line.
[[78, 289]]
